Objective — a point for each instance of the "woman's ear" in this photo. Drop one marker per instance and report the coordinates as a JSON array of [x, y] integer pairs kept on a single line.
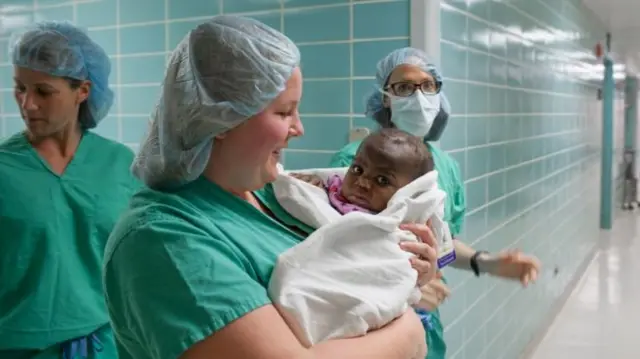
[[83, 91]]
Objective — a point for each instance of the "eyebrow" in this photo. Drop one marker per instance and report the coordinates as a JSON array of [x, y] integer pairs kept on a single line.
[[292, 104], [381, 169], [38, 84], [388, 171], [416, 81]]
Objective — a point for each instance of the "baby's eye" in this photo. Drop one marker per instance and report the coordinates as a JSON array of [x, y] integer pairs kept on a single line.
[[355, 169], [382, 181]]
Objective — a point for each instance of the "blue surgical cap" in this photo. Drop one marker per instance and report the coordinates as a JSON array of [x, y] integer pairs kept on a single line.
[[407, 56], [61, 49], [222, 73]]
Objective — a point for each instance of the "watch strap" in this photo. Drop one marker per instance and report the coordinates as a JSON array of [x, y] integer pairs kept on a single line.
[[473, 262]]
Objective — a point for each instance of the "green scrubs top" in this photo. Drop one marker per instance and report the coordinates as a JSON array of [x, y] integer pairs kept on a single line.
[[53, 230], [450, 181], [181, 265]]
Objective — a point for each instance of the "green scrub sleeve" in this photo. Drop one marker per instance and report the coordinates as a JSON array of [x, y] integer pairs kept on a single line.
[[340, 159], [459, 204], [175, 286], [345, 155]]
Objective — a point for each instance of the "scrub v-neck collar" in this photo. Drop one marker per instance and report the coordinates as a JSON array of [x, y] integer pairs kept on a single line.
[[78, 155]]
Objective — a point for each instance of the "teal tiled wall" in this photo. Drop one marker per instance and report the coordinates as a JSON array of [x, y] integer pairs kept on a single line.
[[340, 41], [526, 132]]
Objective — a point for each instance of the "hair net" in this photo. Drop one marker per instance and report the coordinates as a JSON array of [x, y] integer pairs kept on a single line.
[[410, 56], [63, 50], [223, 72]]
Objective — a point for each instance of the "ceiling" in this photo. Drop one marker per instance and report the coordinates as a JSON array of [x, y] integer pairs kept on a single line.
[[621, 17]]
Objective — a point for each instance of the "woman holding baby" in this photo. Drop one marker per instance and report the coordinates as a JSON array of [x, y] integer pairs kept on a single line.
[[187, 266]]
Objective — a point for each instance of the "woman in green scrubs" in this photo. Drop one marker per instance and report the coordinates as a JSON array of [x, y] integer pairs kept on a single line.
[[188, 264], [62, 189], [409, 96]]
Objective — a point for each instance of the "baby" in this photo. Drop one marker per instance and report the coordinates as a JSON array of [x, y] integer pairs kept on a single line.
[[386, 161]]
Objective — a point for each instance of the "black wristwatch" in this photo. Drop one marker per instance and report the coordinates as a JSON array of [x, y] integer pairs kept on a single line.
[[473, 262]]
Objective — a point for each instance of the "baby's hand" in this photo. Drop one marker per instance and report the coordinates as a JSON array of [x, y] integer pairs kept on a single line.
[[311, 179]]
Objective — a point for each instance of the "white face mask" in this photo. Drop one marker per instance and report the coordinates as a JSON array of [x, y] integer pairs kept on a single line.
[[415, 114]]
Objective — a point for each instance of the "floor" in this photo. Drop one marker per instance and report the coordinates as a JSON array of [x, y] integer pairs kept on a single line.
[[601, 319]]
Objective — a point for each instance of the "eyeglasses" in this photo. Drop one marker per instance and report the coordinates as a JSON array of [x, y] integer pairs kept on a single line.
[[406, 89]]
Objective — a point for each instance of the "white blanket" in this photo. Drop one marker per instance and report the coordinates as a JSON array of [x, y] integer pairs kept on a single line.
[[350, 276]]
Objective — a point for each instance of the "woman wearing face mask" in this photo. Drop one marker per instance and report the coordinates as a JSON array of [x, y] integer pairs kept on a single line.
[[409, 97]]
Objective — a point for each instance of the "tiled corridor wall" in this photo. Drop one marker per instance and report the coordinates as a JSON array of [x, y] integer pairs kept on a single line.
[[340, 41], [526, 132]]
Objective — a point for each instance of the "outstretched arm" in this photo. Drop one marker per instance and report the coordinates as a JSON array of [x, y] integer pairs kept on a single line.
[[508, 264], [511, 264]]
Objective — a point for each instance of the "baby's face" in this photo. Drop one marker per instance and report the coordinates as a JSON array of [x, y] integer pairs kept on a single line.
[[372, 180]]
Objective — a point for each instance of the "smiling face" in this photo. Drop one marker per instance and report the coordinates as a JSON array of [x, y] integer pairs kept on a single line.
[[250, 153], [385, 162], [48, 104]]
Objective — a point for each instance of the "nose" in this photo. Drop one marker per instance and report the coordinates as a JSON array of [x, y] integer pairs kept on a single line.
[[363, 183], [297, 128], [26, 102]]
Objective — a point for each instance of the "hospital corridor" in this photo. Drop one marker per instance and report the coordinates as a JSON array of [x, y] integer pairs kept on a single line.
[[249, 178]]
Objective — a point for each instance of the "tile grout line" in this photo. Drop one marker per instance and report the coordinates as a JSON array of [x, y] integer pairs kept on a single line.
[[351, 63], [119, 72], [486, 138], [465, 153], [167, 49], [246, 13]]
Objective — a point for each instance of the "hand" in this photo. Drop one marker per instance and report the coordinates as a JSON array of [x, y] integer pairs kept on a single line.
[[434, 293], [515, 265], [311, 179], [426, 251]]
